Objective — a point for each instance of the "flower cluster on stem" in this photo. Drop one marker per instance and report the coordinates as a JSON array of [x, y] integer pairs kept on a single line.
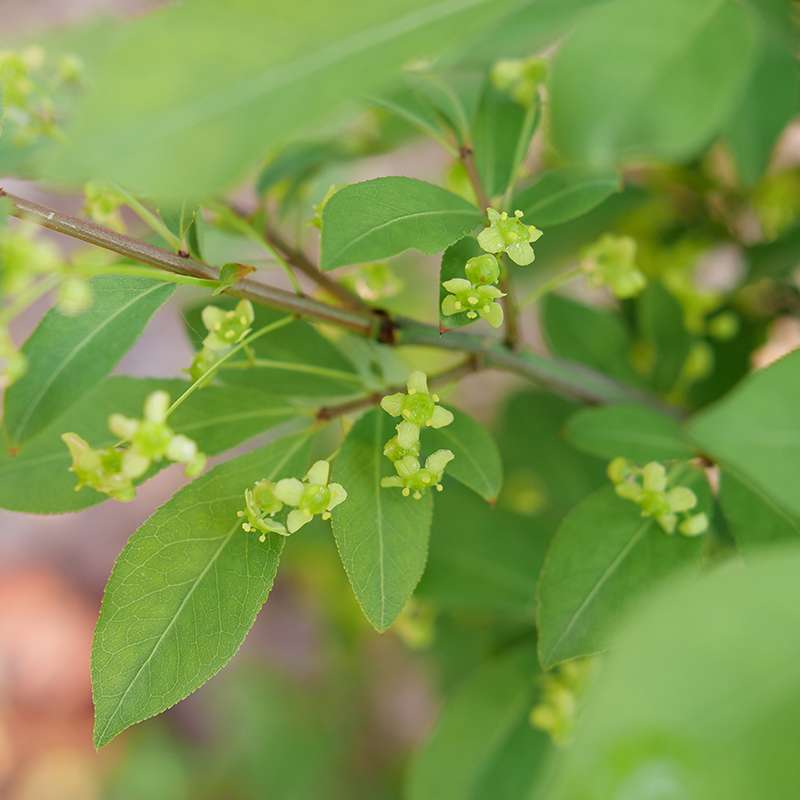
[[418, 409], [654, 491], [313, 496], [475, 295], [113, 470]]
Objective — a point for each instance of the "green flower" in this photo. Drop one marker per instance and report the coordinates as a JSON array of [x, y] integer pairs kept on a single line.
[[405, 443], [649, 488], [310, 497], [520, 78], [610, 262], [151, 439], [23, 257], [509, 235], [227, 328], [100, 470], [261, 505], [202, 363], [412, 477], [474, 301], [417, 406]]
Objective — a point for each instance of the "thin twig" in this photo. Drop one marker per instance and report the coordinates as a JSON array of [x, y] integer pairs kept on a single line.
[[564, 377], [300, 305]]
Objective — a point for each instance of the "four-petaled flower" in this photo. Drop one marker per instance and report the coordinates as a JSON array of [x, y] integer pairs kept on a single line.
[[417, 406], [474, 301], [227, 328], [509, 235], [649, 488], [260, 506], [404, 443], [310, 497], [412, 477], [151, 439]]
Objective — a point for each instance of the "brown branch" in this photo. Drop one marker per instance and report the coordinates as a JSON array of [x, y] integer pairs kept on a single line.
[[564, 377], [451, 375], [301, 305]]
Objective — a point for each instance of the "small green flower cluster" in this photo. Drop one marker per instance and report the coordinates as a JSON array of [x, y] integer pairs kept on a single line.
[[509, 235], [611, 262], [476, 295], [27, 85], [25, 260], [557, 710], [113, 470], [520, 78], [225, 330], [649, 487], [419, 409], [312, 496]]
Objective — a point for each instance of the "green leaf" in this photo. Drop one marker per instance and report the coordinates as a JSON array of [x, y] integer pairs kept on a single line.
[[602, 558], [629, 430], [386, 216], [294, 360], [184, 592], [753, 431], [768, 104], [637, 80], [482, 559], [215, 417], [502, 132], [477, 725], [661, 324], [69, 355], [699, 696], [754, 518], [560, 195], [590, 335], [477, 460], [193, 119], [382, 536]]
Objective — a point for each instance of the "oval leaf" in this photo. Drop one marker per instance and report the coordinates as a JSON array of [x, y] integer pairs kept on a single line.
[[69, 355], [215, 417], [382, 536], [603, 556], [184, 592], [560, 195], [381, 218]]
